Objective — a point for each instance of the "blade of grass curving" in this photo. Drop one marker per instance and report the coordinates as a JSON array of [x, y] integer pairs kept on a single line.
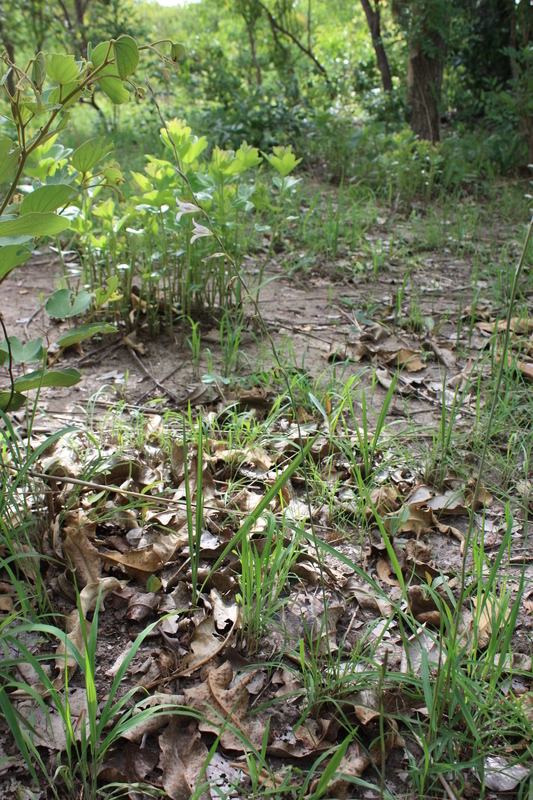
[[330, 769], [12, 721]]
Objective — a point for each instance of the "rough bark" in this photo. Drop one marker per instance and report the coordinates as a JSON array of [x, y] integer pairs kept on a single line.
[[424, 83], [374, 25], [257, 65], [10, 50]]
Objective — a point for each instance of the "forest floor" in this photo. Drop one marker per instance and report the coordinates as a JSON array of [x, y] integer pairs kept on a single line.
[[353, 640]]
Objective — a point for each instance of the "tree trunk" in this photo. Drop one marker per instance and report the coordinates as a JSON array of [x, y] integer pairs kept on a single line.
[[424, 84], [254, 55], [10, 50], [374, 25]]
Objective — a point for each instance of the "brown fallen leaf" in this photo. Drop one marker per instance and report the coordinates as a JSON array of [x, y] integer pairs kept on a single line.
[[290, 686], [212, 634], [384, 499], [49, 727], [83, 557], [326, 635], [387, 352], [354, 763], [310, 739], [419, 521], [138, 564], [216, 703], [183, 756], [265, 780], [348, 351], [132, 341], [502, 776], [423, 606], [154, 722], [141, 605], [518, 325], [412, 654], [128, 764], [487, 611], [370, 600], [385, 572], [443, 354], [410, 360]]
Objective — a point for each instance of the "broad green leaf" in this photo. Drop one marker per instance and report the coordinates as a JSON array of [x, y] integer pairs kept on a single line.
[[36, 379], [153, 584], [85, 332], [196, 148], [9, 157], [21, 112], [46, 198], [245, 158], [283, 160], [65, 303], [17, 401], [108, 295], [62, 69], [90, 153], [34, 224], [113, 176], [142, 181], [21, 353], [126, 56], [33, 351], [38, 69], [10, 257], [59, 95], [177, 51], [99, 53], [113, 88]]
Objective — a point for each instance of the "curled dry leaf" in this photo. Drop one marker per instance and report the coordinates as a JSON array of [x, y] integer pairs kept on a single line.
[[290, 686], [488, 610], [132, 339], [412, 656], [423, 606], [384, 499], [141, 605], [137, 564], [311, 739], [385, 572], [370, 600], [388, 351]]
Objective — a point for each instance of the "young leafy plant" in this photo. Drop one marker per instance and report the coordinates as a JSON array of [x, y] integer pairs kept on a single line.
[[40, 109]]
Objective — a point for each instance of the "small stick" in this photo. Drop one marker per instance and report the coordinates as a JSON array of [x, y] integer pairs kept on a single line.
[[100, 487], [166, 378], [10, 356], [30, 320], [107, 350], [149, 374]]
